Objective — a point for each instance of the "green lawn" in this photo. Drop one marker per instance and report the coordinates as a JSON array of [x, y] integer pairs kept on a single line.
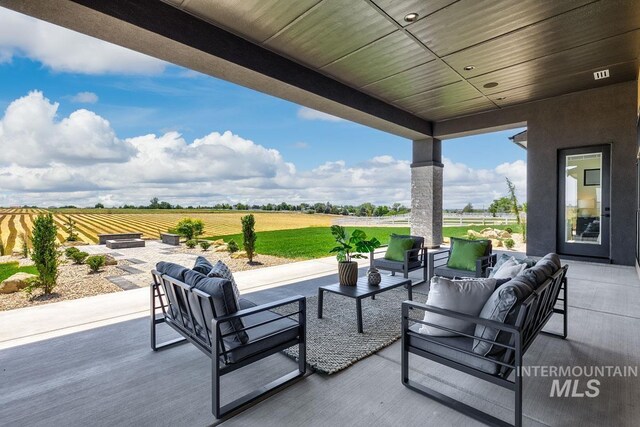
[[315, 242], [9, 269]]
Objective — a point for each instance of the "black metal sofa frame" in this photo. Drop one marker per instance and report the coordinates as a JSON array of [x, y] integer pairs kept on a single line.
[[533, 314], [169, 296], [418, 253], [438, 260]]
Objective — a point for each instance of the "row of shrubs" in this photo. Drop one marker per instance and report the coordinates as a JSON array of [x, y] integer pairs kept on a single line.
[[95, 262], [232, 246]]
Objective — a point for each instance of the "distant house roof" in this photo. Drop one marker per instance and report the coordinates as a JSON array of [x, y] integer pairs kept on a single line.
[[520, 139]]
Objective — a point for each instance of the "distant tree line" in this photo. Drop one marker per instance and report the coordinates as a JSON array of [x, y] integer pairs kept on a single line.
[[364, 209]]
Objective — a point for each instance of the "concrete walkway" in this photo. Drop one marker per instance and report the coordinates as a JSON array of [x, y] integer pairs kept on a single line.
[[31, 324]]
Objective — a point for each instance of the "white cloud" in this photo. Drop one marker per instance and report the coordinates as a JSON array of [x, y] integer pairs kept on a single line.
[[310, 114], [463, 184], [31, 136], [301, 145], [64, 50], [84, 98], [79, 160]]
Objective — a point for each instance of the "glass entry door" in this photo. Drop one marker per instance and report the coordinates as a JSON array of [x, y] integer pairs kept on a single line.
[[584, 213]]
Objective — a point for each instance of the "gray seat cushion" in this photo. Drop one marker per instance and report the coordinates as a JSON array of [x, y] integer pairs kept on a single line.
[[224, 303], [385, 264], [445, 271], [462, 343], [262, 337], [245, 303]]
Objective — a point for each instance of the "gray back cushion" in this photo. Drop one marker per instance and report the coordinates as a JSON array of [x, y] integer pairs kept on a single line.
[[502, 306], [224, 303], [202, 265], [172, 270], [176, 272], [545, 268]]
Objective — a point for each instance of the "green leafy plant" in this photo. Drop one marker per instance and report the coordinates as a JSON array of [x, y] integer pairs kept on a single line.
[[249, 235], [509, 243], [70, 251], [95, 262], [191, 243], [79, 257], [45, 252], [33, 283], [205, 245], [70, 228], [190, 228], [232, 246], [351, 246], [471, 237], [509, 230], [25, 246]]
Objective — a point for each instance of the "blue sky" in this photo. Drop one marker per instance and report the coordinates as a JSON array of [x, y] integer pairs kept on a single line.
[[138, 95]]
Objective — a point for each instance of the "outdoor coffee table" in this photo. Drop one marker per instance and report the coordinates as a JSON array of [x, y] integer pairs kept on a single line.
[[363, 290]]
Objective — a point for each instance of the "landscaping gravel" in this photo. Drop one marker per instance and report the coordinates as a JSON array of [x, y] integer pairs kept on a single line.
[[240, 264], [74, 282]]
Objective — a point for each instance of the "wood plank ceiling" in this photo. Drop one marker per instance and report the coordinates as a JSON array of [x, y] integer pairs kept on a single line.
[[445, 64]]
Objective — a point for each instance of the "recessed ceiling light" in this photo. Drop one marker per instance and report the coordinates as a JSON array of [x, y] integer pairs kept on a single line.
[[490, 85], [469, 67], [411, 17], [501, 98]]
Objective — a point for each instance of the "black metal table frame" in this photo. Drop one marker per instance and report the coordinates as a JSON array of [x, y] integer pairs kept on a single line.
[[341, 290]]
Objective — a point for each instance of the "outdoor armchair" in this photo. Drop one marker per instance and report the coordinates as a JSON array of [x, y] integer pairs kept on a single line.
[[414, 259], [438, 260], [232, 340]]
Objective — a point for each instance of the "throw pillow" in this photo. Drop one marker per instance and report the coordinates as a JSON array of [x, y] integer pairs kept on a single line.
[[202, 265], [221, 270], [397, 247], [509, 269], [465, 253], [418, 242], [501, 260], [224, 303], [466, 296], [501, 307]]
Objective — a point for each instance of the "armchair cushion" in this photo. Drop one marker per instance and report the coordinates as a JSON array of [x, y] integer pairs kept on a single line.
[[385, 264], [445, 271], [508, 270], [261, 337], [398, 245], [466, 296], [224, 303], [464, 253], [202, 265]]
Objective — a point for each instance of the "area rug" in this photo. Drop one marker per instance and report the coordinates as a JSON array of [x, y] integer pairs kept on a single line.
[[333, 342]]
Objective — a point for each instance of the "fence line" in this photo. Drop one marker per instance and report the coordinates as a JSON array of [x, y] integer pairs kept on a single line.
[[405, 220]]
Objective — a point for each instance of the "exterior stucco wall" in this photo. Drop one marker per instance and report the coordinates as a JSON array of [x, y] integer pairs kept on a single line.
[[598, 116], [601, 116]]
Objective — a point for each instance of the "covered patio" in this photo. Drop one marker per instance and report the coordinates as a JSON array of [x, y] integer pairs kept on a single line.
[[104, 373], [426, 71]]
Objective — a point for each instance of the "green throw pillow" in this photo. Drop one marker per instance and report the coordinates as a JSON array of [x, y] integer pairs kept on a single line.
[[464, 253], [397, 247]]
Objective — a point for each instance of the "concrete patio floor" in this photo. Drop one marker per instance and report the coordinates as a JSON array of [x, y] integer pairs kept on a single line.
[[73, 372]]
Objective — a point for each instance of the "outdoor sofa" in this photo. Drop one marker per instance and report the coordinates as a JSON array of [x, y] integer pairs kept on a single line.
[[232, 332], [517, 312]]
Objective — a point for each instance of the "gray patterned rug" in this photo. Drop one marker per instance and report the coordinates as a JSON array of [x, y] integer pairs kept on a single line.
[[333, 342]]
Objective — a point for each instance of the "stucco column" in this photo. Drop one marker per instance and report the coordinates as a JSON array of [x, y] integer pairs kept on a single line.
[[426, 191]]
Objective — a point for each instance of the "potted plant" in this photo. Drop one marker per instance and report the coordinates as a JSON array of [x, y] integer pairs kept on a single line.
[[350, 247]]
